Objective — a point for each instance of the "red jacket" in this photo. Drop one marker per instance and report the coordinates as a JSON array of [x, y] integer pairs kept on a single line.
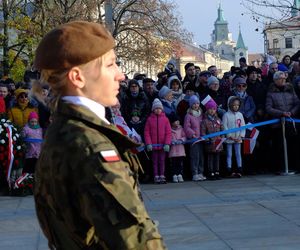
[[158, 130]]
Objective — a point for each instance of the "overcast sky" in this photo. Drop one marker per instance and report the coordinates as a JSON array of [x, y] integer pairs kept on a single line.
[[199, 16]]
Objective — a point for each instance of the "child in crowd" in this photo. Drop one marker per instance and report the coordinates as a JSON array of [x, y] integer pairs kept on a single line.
[[158, 139], [175, 85], [135, 122], [177, 152], [166, 97], [32, 130], [234, 119], [192, 122], [211, 124]]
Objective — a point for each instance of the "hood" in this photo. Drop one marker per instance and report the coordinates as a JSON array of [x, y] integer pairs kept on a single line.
[[171, 78], [230, 100]]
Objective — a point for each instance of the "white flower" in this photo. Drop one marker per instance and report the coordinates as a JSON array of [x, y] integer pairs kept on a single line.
[[14, 138], [2, 141], [15, 129], [17, 135], [3, 120], [5, 125], [18, 147], [6, 135]]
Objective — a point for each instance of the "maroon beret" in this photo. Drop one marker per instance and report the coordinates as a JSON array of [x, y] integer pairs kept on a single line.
[[72, 44]]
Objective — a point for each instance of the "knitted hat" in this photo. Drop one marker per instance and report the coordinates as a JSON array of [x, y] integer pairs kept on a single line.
[[211, 104], [157, 104], [239, 80], [73, 44], [131, 82], [194, 99], [282, 67], [163, 92], [33, 115], [205, 73], [20, 91], [211, 80]]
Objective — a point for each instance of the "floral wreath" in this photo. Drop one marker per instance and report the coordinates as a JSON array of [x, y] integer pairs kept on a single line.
[[11, 151]]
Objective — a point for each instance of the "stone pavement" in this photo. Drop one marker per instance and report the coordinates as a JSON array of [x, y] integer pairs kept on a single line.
[[254, 212]]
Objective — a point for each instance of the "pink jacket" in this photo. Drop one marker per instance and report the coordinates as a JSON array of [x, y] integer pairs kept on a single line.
[[177, 150], [157, 130], [192, 125], [33, 149]]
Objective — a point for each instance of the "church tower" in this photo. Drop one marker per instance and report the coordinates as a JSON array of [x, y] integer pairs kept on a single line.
[[221, 28], [240, 50]]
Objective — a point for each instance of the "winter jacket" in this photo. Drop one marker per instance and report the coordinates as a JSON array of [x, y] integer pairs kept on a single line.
[[258, 92], [233, 120], [192, 125], [18, 116], [157, 130], [278, 102], [169, 107], [211, 125], [33, 149], [130, 103], [178, 135]]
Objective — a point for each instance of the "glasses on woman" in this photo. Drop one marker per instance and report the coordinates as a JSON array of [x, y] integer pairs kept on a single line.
[[23, 96], [241, 85]]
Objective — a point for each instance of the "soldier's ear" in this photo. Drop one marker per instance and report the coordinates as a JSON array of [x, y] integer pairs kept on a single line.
[[76, 77]]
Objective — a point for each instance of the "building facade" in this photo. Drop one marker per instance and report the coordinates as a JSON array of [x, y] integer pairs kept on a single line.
[[283, 38]]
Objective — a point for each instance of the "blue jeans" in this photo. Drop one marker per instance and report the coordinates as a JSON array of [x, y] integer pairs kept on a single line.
[[196, 158], [238, 157]]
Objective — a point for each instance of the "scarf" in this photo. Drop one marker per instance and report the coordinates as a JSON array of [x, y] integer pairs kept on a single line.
[[195, 113], [241, 94]]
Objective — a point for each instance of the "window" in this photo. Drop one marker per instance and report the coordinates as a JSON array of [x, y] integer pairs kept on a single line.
[[223, 52], [241, 54], [289, 43], [275, 43]]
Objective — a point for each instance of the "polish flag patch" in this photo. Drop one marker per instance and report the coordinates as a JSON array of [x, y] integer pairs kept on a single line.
[[110, 155]]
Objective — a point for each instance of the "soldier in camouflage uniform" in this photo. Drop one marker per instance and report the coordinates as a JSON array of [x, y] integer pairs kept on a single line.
[[86, 191]]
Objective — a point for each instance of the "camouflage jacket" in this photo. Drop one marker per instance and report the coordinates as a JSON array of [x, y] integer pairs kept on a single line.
[[86, 191]]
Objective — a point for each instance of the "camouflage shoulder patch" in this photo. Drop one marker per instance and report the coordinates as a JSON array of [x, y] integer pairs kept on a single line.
[[110, 155]]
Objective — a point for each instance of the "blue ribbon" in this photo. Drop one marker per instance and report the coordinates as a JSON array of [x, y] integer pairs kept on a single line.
[[33, 140], [233, 130]]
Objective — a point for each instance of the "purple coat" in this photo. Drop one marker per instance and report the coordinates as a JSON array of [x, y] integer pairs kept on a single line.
[[157, 130], [192, 125], [177, 150], [33, 149]]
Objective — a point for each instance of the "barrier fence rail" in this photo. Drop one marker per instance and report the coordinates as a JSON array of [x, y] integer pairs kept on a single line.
[[283, 121]]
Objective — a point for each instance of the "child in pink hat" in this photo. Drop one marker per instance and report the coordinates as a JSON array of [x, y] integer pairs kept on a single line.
[[211, 123], [33, 135]]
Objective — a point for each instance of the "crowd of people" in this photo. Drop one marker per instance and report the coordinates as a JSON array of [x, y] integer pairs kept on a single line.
[[169, 115]]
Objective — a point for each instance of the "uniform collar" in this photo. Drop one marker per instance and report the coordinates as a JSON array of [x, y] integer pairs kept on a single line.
[[93, 106]]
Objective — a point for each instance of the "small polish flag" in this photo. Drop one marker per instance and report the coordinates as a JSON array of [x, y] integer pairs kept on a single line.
[[249, 143], [219, 142], [206, 100], [199, 140], [110, 155]]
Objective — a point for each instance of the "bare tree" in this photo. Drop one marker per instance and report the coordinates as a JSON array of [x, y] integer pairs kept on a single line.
[[265, 12], [145, 30]]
